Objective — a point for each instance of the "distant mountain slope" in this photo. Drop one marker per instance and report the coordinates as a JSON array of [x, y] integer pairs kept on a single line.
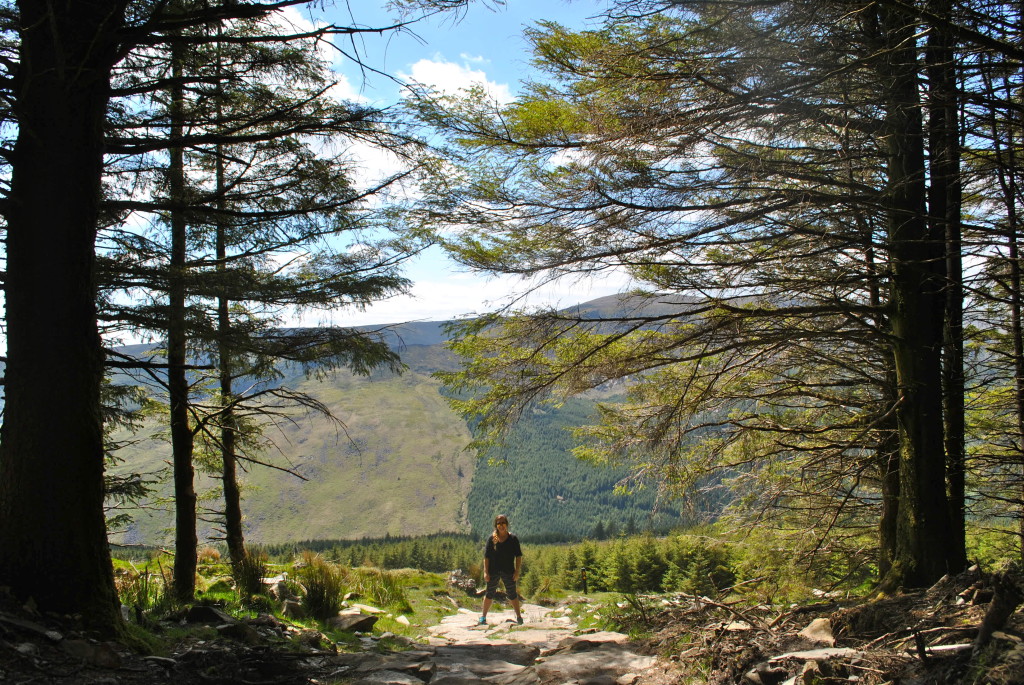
[[548, 493], [400, 465]]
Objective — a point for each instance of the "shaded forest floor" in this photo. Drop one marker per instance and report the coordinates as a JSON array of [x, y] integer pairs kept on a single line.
[[915, 638], [927, 637]]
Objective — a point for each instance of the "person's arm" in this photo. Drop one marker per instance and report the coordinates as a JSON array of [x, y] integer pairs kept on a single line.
[[519, 563], [487, 561]]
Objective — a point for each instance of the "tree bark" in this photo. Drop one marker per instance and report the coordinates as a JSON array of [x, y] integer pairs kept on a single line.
[[944, 207], [888, 464], [52, 527], [186, 540], [233, 533], [923, 545]]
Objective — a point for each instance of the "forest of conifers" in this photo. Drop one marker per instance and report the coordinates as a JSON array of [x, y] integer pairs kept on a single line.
[[821, 197]]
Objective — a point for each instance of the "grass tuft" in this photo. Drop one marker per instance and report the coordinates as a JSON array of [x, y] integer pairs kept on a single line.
[[325, 586], [249, 572], [383, 588]]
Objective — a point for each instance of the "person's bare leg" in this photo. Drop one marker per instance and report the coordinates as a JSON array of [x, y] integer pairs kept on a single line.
[[517, 605], [485, 609]]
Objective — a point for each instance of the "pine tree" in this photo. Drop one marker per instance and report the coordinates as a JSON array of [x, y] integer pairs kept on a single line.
[[570, 574], [762, 177], [647, 566]]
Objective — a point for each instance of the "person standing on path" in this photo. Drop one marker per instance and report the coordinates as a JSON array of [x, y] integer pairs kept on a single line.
[[503, 559]]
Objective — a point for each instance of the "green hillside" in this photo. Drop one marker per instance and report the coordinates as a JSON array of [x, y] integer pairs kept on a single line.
[[547, 493], [398, 467]]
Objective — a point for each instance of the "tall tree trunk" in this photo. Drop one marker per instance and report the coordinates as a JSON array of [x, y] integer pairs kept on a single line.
[[186, 540], [1017, 335], [229, 475], [888, 463], [52, 527], [944, 208], [923, 542], [233, 533], [887, 448]]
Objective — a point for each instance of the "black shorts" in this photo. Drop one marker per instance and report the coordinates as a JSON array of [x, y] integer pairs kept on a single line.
[[510, 586]]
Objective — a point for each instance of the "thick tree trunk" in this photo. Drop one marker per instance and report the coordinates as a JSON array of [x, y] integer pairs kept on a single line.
[[888, 463], [944, 207], [186, 540], [923, 545], [52, 527]]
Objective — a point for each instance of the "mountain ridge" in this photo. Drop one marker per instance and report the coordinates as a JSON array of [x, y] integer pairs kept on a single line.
[[398, 463]]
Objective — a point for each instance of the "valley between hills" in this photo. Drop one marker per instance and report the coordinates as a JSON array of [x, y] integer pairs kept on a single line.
[[396, 464]]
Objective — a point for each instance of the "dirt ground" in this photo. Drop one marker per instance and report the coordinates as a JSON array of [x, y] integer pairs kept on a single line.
[[916, 638]]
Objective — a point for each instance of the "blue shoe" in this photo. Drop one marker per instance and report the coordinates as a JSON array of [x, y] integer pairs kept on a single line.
[[482, 621]]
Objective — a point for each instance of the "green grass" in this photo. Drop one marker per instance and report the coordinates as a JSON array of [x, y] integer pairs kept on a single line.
[[419, 596]]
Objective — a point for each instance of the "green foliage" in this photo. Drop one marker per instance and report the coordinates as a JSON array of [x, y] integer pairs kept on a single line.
[[249, 572], [647, 566], [438, 553], [550, 495], [384, 588], [143, 590], [649, 148], [325, 586], [699, 567], [993, 545]]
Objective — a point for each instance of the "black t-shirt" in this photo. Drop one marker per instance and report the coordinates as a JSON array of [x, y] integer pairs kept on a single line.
[[503, 554]]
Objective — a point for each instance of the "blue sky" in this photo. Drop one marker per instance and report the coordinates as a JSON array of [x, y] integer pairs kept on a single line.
[[482, 44]]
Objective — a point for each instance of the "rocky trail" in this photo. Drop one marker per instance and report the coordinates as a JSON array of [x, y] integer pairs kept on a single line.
[[965, 630], [546, 649]]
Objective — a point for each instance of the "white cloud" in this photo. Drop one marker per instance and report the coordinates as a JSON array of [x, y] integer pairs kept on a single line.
[[291, 21], [344, 91], [450, 78], [452, 295]]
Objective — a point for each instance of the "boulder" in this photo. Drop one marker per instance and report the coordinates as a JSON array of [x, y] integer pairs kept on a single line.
[[208, 615], [367, 609], [514, 653], [93, 653], [819, 630], [458, 679], [353, 622], [293, 609], [609, 659], [241, 632]]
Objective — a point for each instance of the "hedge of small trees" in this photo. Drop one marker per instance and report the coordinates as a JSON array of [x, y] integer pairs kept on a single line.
[[641, 563]]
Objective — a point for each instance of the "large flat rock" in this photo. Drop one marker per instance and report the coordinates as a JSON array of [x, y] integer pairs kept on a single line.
[[515, 653], [602, 659]]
